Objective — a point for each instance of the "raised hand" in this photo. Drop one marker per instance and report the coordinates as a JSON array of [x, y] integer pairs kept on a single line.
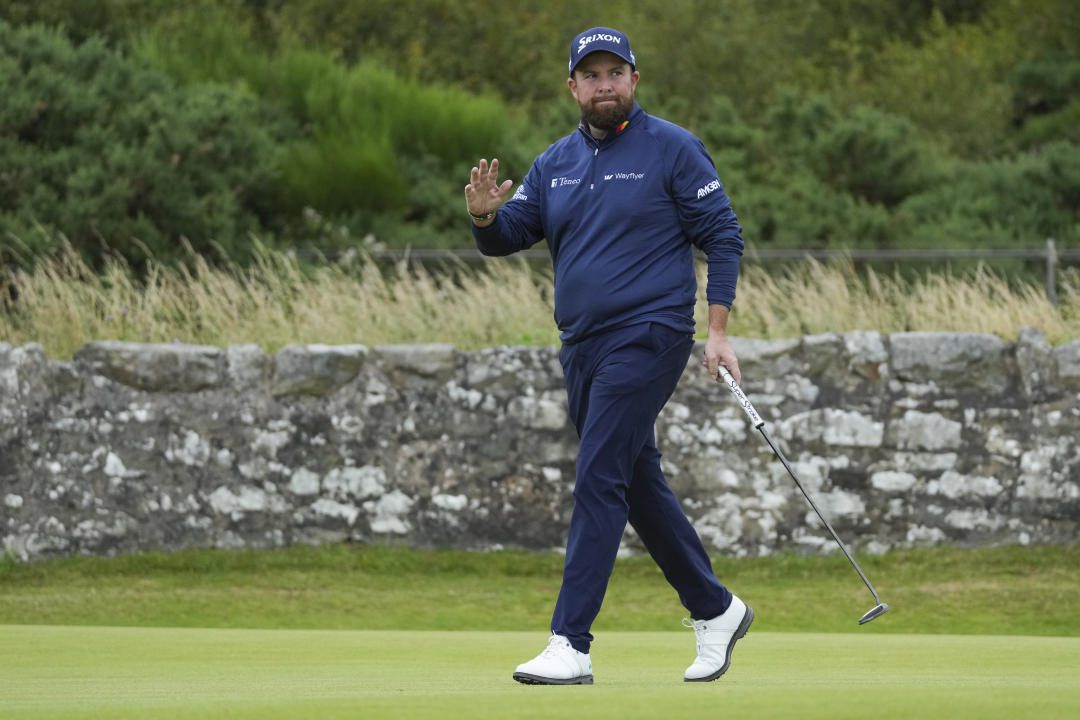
[[484, 194]]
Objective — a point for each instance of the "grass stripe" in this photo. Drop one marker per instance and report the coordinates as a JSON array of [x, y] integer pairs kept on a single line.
[[78, 672], [1000, 591]]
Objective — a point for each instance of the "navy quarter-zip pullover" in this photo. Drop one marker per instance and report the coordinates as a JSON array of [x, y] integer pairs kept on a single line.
[[620, 216]]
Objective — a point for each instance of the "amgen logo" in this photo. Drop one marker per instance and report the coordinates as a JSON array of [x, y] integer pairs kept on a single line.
[[593, 38], [711, 187]]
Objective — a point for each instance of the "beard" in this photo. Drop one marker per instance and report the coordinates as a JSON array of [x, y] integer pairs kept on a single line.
[[608, 115]]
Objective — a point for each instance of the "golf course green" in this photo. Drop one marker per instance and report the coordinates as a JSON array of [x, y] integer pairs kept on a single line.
[[374, 632], [83, 672]]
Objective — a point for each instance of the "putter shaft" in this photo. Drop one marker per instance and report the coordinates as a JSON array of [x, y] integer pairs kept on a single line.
[[826, 523], [759, 425]]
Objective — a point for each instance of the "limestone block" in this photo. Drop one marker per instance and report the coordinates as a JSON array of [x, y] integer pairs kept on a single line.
[[1068, 364], [957, 363], [760, 359], [316, 370], [865, 347], [866, 354], [63, 378], [547, 412], [823, 353], [954, 485], [389, 513], [888, 481], [504, 371], [248, 367], [925, 431], [23, 373], [1037, 366], [355, 482], [915, 462], [1003, 432], [156, 368], [436, 361], [834, 427]]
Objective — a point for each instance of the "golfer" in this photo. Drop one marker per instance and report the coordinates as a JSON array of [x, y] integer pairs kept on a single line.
[[621, 202]]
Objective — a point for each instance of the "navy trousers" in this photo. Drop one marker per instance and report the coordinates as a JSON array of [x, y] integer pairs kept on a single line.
[[617, 382]]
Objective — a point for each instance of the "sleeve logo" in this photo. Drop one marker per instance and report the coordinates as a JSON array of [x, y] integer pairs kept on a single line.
[[710, 188]]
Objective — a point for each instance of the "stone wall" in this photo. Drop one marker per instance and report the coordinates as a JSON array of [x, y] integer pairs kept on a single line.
[[905, 440]]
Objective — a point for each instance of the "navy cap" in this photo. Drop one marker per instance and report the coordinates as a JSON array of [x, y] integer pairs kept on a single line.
[[601, 39]]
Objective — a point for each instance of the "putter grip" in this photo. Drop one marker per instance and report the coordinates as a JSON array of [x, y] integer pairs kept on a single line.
[[740, 396]]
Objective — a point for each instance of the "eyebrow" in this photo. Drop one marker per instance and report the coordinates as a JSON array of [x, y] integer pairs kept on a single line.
[[608, 68]]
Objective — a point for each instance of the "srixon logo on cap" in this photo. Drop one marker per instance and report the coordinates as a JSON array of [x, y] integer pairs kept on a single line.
[[599, 36]]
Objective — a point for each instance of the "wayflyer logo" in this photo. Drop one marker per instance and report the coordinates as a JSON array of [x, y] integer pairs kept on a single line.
[[624, 176]]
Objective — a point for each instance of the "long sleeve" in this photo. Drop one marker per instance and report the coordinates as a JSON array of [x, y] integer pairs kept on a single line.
[[708, 220]]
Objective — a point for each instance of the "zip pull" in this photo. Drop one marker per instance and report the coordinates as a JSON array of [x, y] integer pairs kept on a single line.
[[596, 152]]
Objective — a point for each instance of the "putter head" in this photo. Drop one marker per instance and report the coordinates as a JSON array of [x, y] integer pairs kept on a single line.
[[874, 612]]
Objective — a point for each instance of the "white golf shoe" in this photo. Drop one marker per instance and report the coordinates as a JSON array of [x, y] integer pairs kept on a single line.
[[716, 639], [558, 664]]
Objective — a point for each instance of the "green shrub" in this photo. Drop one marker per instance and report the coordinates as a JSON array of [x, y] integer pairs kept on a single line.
[[801, 211], [378, 149], [874, 156], [952, 85], [107, 152], [1012, 201]]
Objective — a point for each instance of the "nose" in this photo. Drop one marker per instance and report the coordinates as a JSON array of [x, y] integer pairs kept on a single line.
[[604, 89], [605, 84]]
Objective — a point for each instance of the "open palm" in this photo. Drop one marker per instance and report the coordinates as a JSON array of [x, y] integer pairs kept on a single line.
[[484, 194]]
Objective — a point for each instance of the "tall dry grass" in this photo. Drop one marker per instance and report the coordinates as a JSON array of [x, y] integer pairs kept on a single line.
[[816, 298], [63, 304]]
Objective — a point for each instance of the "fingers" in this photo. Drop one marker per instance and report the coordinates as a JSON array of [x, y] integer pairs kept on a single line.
[[733, 368], [484, 192], [712, 360], [483, 177], [485, 173]]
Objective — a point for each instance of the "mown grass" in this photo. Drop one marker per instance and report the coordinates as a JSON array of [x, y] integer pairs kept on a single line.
[[53, 672], [278, 300], [1008, 590]]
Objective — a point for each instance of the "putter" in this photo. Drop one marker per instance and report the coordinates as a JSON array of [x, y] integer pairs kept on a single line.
[[759, 424]]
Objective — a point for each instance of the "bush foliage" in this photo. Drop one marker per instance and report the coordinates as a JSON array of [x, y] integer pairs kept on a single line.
[[838, 123], [110, 153]]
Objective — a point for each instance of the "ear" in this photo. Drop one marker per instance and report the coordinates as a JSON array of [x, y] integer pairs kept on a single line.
[[570, 83], [633, 80]]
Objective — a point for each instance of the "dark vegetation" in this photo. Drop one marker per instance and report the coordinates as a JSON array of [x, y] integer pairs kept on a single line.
[[136, 126]]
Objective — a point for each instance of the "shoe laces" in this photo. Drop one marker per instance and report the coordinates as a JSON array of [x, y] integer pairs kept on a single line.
[[556, 644], [699, 627]]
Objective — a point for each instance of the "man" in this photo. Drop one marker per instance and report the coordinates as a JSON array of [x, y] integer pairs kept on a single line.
[[621, 201]]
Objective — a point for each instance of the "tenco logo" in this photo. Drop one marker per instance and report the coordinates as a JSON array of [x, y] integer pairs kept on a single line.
[[593, 38], [711, 187], [562, 181]]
